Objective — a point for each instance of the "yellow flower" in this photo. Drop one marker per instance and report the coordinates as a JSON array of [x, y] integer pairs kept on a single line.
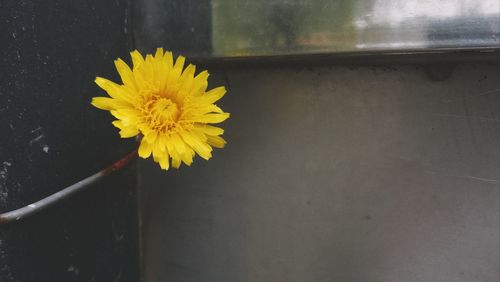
[[168, 105]]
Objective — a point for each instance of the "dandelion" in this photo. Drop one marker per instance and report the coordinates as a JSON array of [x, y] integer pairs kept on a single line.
[[168, 105]]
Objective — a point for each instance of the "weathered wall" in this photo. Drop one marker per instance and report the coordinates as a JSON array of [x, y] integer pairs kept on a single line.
[[337, 174], [51, 137]]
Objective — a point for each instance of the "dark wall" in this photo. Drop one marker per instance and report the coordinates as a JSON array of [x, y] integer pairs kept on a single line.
[[51, 137]]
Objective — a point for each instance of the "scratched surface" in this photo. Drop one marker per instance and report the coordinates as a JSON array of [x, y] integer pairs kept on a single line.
[[386, 174], [51, 138]]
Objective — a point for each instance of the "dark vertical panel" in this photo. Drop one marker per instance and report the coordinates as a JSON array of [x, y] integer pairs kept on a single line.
[[51, 137]]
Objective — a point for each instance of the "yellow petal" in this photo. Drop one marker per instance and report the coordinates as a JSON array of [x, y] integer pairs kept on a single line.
[[209, 109], [149, 71], [164, 163], [145, 149], [201, 78], [103, 103], [176, 157], [187, 156], [159, 54], [160, 156], [216, 109], [212, 118], [216, 141], [128, 132], [118, 124], [162, 140], [214, 94], [199, 135], [175, 73], [210, 130], [197, 145], [127, 116], [109, 103], [125, 73], [156, 156], [176, 162], [114, 90], [168, 59], [179, 63], [186, 79], [125, 131], [178, 143], [165, 69], [151, 137], [137, 59]]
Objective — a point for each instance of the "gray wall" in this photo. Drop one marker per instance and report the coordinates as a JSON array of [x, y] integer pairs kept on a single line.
[[337, 174]]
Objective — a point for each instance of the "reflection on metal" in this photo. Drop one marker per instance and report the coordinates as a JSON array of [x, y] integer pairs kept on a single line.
[[276, 27], [294, 27], [398, 24]]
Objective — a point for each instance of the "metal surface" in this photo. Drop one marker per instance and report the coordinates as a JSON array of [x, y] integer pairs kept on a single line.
[[342, 173], [242, 28], [52, 137]]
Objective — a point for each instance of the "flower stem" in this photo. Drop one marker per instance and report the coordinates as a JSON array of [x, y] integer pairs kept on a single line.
[[36, 207]]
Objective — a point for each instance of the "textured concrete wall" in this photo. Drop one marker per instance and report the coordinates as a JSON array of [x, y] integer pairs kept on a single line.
[[51, 137], [337, 174]]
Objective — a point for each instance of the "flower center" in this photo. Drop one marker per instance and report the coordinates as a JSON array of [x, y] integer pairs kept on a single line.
[[163, 114]]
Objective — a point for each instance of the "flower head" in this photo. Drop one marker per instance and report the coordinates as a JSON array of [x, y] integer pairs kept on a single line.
[[168, 105]]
